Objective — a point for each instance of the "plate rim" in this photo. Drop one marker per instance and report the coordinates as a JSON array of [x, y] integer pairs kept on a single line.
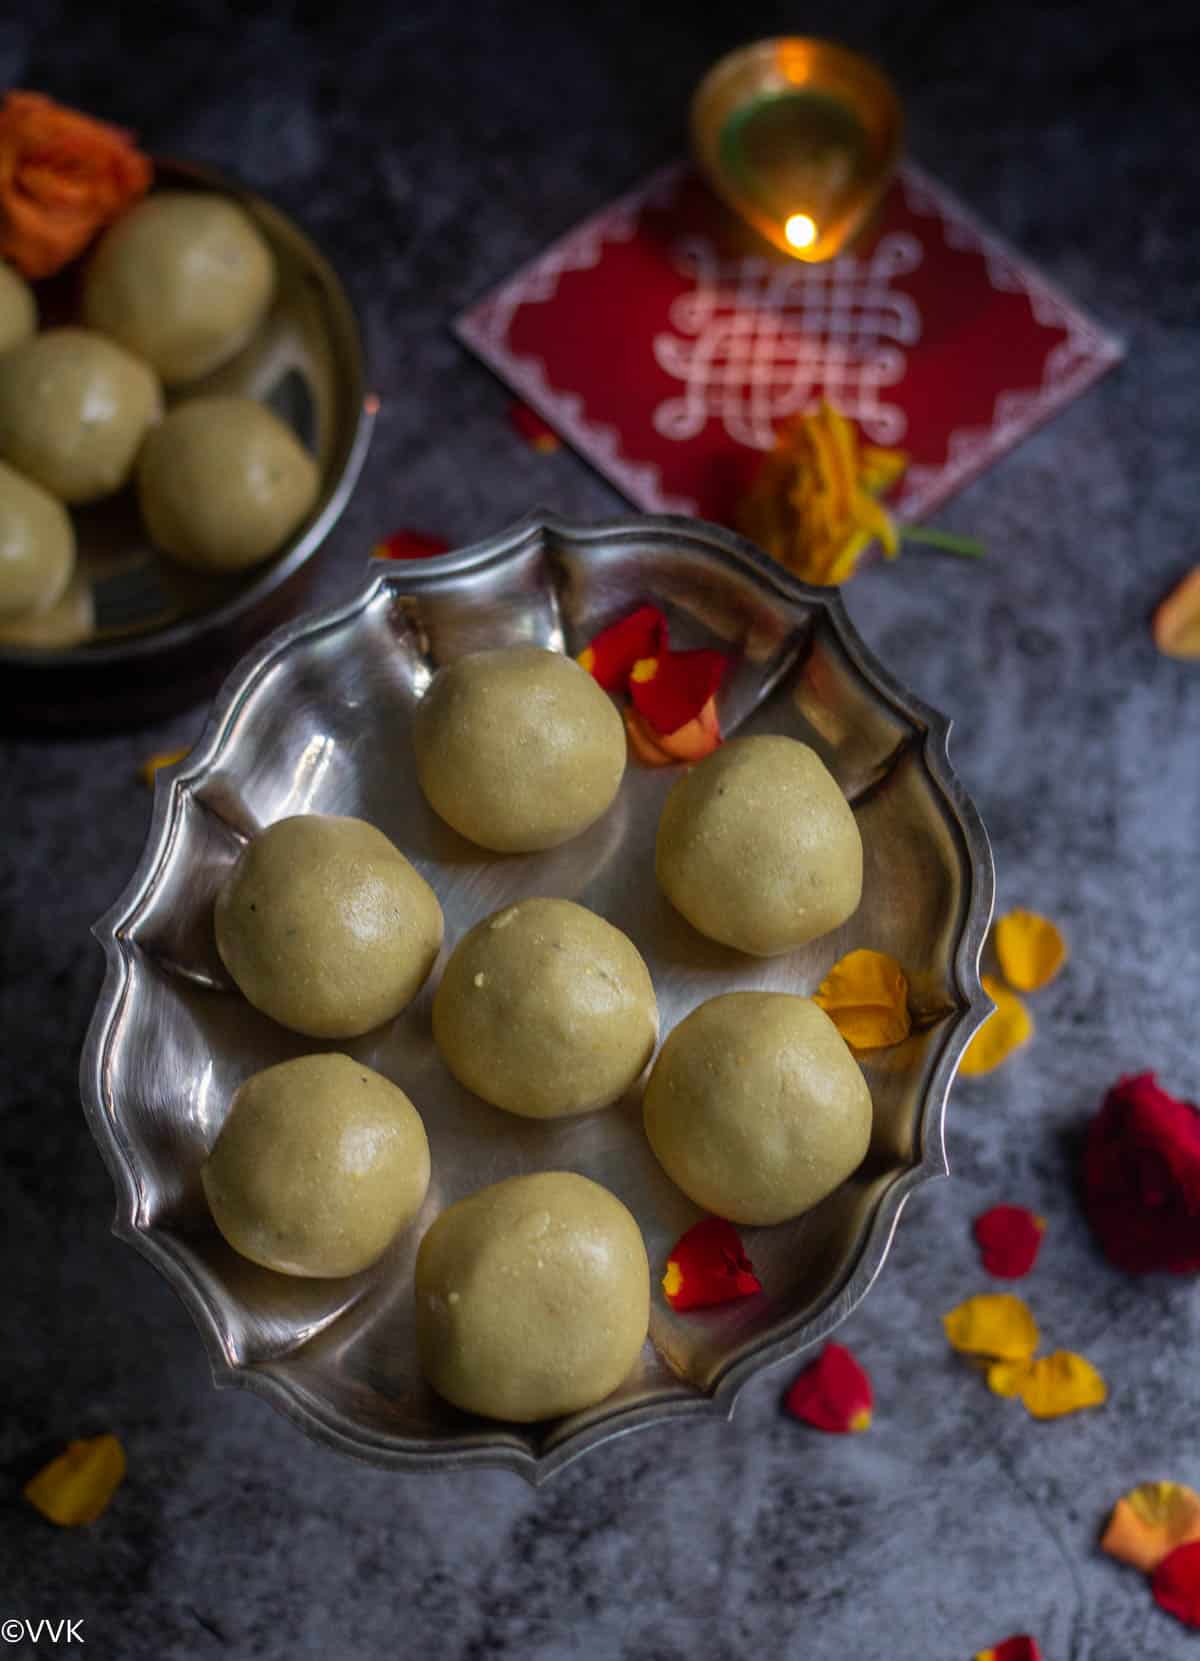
[[490, 1446]]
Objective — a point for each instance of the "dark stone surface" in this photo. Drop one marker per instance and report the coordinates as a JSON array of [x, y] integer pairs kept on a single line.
[[431, 149]]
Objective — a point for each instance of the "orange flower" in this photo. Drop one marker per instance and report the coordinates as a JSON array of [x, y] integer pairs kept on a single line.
[[63, 177], [812, 505]]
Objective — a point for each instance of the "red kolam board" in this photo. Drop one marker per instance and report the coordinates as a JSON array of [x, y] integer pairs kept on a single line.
[[665, 345]]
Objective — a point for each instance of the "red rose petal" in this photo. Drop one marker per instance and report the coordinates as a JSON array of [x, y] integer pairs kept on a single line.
[[1176, 1584], [410, 545], [612, 654], [671, 688], [538, 434], [709, 1266], [833, 1393], [1022, 1648], [1141, 1174], [1009, 1237]]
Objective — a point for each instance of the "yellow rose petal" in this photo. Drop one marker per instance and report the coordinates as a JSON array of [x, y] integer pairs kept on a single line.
[[865, 995], [995, 1324], [1030, 949], [77, 1486], [1008, 1027], [1051, 1386]]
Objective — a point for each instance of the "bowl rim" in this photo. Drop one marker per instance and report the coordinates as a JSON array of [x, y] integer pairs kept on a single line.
[[170, 172], [491, 1446]]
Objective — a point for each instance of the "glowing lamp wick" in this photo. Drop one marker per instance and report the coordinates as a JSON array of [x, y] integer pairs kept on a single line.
[[800, 231]]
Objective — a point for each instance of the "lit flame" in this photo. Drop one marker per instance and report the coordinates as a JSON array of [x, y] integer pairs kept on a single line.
[[800, 230]]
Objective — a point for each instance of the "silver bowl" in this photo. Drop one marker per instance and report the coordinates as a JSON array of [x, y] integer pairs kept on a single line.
[[317, 719], [165, 635]]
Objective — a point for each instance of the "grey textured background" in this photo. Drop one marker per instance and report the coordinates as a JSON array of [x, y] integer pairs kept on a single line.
[[432, 148]]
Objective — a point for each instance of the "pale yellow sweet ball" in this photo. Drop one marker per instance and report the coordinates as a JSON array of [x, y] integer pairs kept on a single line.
[[184, 279], [533, 1297], [74, 410], [320, 1163], [758, 848], [518, 748], [545, 1009], [756, 1108], [18, 308], [37, 547], [223, 483], [326, 927]]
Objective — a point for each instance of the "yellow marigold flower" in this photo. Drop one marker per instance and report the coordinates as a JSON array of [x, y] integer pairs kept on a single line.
[[813, 504]]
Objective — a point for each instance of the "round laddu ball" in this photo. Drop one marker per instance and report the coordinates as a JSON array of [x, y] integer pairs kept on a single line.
[[544, 1009], [319, 1164], [758, 848], [533, 1298], [326, 927], [183, 280], [223, 483], [74, 409], [756, 1108], [518, 748], [37, 547], [68, 622], [18, 309]]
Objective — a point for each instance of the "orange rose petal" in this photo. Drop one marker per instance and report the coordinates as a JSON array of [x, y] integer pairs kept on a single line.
[[1030, 949], [1008, 1027], [408, 544], [63, 178], [78, 1486], [538, 434], [865, 995], [833, 1393], [1149, 1522], [1051, 1386], [699, 738], [993, 1324], [1176, 625], [709, 1266], [610, 657], [671, 688]]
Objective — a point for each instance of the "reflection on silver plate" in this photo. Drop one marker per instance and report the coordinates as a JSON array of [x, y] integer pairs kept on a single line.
[[318, 720], [158, 626]]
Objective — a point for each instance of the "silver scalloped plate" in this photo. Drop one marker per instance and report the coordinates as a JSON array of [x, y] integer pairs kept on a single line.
[[317, 719]]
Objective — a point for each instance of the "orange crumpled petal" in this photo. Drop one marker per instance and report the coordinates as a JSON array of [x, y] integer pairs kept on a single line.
[[1149, 1521], [1030, 948], [693, 741], [1176, 623], [865, 995], [63, 177], [1051, 1386], [78, 1485], [998, 1325], [154, 764], [1008, 1027]]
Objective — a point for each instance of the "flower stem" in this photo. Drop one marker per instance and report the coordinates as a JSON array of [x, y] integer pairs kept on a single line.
[[964, 546]]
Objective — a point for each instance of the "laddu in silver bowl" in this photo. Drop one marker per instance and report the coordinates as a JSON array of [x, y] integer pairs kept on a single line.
[[317, 720]]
